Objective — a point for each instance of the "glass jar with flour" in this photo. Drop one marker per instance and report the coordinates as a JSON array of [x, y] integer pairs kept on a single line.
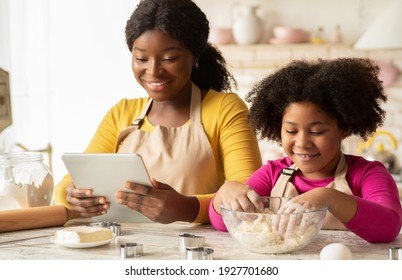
[[25, 181]]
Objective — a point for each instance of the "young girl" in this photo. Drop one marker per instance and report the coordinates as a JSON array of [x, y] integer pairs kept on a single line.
[[309, 108]]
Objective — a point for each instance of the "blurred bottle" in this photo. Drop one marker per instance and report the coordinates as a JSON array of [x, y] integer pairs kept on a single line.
[[317, 36], [337, 35]]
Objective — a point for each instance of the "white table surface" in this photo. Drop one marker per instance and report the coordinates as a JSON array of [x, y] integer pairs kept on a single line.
[[160, 242]]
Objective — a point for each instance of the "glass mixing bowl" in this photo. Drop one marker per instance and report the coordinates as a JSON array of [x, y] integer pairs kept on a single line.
[[269, 232]]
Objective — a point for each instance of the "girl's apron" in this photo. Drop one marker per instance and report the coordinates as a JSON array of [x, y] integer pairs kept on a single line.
[[284, 188], [178, 156]]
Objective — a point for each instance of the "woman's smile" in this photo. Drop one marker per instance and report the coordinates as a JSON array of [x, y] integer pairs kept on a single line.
[[157, 85]]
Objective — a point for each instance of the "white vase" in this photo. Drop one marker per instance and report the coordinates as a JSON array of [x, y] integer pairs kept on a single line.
[[247, 26]]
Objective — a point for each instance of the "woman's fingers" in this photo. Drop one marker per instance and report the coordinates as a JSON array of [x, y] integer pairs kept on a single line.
[[132, 200], [160, 203], [90, 211], [137, 188], [72, 191], [88, 202], [88, 207], [143, 199], [84, 204]]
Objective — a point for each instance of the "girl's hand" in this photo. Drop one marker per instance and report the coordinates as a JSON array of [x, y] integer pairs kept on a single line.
[[342, 205], [237, 196], [161, 203], [83, 204], [314, 199], [287, 224], [311, 200]]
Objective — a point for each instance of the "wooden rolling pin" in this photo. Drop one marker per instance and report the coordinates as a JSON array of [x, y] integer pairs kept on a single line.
[[36, 217]]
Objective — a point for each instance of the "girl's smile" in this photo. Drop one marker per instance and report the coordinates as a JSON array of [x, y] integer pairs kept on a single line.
[[312, 139]]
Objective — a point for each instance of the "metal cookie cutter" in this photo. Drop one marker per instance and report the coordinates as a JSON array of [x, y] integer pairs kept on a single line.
[[115, 227], [201, 253], [395, 253], [131, 250], [188, 240]]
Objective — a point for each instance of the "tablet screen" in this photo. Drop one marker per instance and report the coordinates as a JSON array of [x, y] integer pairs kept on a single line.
[[105, 174]]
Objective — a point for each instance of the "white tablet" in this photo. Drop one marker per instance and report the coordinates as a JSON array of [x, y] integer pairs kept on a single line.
[[105, 174]]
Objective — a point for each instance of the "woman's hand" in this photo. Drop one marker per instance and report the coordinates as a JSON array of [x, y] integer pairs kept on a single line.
[[161, 204], [237, 196], [83, 204]]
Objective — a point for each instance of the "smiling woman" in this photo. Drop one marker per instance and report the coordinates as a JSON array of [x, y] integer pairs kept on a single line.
[[191, 130]]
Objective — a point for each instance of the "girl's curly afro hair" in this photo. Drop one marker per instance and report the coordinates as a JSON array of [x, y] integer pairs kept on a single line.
[[348, 89]]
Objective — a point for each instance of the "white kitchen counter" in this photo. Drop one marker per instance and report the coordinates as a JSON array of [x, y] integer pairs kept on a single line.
[[160, 242]]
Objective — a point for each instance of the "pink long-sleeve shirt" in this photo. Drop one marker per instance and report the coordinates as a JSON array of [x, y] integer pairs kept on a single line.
[[378, 217]]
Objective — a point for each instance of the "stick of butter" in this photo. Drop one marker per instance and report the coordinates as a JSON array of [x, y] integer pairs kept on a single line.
[[83, 234]]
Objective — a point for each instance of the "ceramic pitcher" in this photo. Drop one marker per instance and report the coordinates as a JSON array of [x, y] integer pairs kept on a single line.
[[247, 25]]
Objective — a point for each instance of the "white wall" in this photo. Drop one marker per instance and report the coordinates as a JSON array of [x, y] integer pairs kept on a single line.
[[90, 69], [68, 64], [68, 60]]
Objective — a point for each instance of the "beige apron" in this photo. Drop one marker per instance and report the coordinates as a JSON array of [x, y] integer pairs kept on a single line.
[[284, 188], [181, 157]]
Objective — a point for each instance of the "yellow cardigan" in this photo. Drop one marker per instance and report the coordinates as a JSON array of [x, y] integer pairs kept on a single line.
[[224, 117]]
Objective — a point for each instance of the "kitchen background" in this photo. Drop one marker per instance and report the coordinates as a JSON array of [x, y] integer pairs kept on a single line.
[[68, 62]]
